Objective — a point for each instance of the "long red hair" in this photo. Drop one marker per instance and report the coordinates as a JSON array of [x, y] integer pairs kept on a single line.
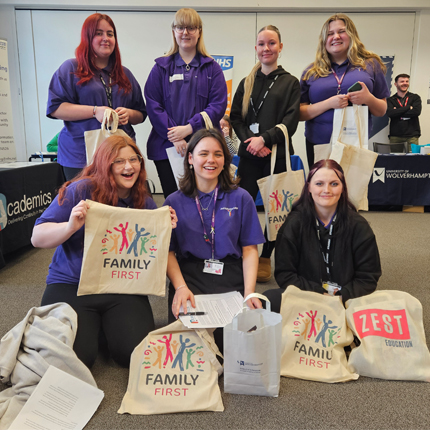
[[85, 54], [99, 172]]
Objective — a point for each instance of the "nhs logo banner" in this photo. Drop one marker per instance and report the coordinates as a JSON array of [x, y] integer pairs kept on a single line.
[[226, 63]]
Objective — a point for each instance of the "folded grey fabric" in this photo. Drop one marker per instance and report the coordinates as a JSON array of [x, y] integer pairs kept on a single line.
[[44, 337]]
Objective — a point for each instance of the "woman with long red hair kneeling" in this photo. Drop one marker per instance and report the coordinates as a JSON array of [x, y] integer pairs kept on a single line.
[[117, 177]]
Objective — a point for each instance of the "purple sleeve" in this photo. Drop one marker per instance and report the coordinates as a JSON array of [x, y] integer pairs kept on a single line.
[[250, 232], [150, 204], [137, 102], [61, 88], [154, 95], [217, 99], [380, 87]]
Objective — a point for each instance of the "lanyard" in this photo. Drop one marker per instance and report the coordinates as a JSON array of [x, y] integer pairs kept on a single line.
[[262, 101], [108, 89], [406, 102], [339, 81], [205, 235], [326, 253]]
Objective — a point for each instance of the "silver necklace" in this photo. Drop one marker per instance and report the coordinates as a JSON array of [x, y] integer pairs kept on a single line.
[[207, 207]]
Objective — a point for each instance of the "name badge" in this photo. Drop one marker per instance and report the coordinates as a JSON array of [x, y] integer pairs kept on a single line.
[[214, 267], [331, 287], [177, 77], [255, 127]]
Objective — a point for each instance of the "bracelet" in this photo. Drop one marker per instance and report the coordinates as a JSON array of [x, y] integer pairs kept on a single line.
[[180, 286], [94, 111]]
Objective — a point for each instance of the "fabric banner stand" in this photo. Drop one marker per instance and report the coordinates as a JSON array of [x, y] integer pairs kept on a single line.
[[7, 142], [226, 63]]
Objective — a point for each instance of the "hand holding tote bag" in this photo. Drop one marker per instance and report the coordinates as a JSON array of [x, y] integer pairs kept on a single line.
[[93, 138], [389, 325], [125, 250], [356, 161], [279, 191], [174, 369], [177, 160], [315, 333], [252, 351]]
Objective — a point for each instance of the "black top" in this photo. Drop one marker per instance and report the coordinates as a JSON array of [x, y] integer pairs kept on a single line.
[[404, 114]]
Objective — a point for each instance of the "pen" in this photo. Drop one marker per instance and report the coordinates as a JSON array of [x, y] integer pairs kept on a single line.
[[181, 314]]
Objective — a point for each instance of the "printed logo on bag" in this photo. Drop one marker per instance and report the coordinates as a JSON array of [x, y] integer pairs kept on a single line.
[[280, 203], [248, 367], [180, 361], [128, 252], [316, 336], [384, 323]]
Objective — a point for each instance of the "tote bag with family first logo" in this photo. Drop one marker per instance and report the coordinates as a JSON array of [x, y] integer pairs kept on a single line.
[[279, 191], [125, 250]]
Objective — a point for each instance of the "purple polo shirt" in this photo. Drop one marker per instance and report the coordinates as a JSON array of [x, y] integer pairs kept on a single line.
[[236, 224], [174, 101], [64, 88], [67, 260], [318, 130]]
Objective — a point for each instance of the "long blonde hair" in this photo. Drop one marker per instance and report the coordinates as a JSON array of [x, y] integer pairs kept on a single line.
[[188, 16], [357, 53], [250, 79]]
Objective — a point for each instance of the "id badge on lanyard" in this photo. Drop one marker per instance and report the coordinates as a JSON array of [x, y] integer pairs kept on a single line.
[[255, 127], [214, 267]]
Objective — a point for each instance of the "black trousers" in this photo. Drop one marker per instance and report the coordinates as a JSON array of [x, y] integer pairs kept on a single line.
[[249, 171], [310, 153], [206, 283], [125, 320], [167, 179], [71, 172]]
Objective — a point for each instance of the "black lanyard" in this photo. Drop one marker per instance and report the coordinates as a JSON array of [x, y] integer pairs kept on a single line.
[[262, 101], [326, 253], [108, 89]]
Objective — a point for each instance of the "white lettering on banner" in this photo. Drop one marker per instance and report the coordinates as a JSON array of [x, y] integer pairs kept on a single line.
[[28, 203], [380, 174]]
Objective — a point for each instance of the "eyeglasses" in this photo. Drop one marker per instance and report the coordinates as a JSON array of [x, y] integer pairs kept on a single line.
[[134, 159], [181, 28]]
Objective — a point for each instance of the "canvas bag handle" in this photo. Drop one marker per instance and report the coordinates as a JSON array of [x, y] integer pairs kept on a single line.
[[246, 309], [207, 120], [112, 127], [287, 150]]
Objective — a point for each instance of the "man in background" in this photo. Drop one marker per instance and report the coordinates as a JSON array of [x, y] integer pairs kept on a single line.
[[403, 108]]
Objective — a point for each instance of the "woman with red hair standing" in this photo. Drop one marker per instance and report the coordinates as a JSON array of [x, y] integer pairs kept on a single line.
[[84, 87], [116, 177]]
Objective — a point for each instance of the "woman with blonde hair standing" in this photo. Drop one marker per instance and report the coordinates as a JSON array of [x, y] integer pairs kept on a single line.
[[268, 96], [183, 83], [341, 61]]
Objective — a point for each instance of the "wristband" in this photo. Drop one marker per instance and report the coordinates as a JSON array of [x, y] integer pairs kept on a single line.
[[94, 111], [180, 286]]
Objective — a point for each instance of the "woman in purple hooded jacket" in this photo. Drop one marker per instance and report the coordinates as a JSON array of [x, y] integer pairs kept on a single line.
[[183, 83]]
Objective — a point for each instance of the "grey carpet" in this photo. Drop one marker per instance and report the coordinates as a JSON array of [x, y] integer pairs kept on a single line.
[[367, 403]]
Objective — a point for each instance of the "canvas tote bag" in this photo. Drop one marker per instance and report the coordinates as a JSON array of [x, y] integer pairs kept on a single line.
[[345, 118], [355, 159], [315, 333], [389, 326], [279, 191], [174, 369], [93, 138], [252, 351], [125, 250]]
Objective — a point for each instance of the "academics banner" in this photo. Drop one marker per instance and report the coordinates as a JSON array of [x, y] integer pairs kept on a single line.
[[7, 143]]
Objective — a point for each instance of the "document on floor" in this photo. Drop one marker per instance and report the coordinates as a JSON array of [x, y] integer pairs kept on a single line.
[[60, 401], [218, 309]]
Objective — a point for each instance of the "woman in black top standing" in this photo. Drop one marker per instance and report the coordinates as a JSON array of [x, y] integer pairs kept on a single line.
[[268, 96]]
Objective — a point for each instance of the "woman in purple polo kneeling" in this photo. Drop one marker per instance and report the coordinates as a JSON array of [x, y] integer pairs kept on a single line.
[[214, 247]]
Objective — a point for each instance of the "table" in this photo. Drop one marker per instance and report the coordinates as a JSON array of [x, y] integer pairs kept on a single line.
[[296, 164], [26, 190], [400, 180]]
